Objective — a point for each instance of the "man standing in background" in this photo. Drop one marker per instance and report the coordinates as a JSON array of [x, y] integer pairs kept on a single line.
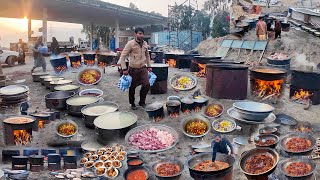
[[21, 48], [139, 61], [261, 30]]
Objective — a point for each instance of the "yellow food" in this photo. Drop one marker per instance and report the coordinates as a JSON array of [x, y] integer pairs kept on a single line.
[[196, 127], [66, 129]]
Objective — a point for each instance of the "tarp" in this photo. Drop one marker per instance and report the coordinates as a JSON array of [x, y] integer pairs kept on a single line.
[[315, 21]]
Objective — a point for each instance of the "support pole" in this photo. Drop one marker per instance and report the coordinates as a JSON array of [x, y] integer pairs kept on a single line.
[[29, 29], [45, 26], [117, 34], [91, 36]]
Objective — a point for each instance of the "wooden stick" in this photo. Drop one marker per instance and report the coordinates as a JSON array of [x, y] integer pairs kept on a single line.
[[308, 105], [269, 96]]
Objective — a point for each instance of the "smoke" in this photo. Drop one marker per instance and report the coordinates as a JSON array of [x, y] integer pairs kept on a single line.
[[174, 51], [301, 60]]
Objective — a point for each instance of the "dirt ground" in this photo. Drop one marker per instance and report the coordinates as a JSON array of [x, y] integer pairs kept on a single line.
[[111, 93]]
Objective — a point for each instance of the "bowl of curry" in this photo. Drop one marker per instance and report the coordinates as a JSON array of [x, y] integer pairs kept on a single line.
[[298, 167], [298, 143]]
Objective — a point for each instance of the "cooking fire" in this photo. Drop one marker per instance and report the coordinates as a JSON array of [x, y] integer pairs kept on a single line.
[[187, 112], [157, 119], [172, 63], [267, 89], [102, 64], [61, 68], [174, 115], [301, 96], [89, 62], [21, 137], [41, 124], [76, 64]]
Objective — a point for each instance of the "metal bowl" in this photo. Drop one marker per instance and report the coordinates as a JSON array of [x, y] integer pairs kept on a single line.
[[188, 119], [95, 91], [194, 160], [287, 137], [254, 152], [267, 137], [157, 126], [156, 164], [219, 120], [66, 122], [251, 116], [268, 130], [36, 76], [253, 107], [210, 117], [87, 69], [285, 163], [183, 89], [130, 170]]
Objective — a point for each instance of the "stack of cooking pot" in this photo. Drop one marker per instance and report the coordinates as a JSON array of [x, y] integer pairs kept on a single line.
[[14, 94], [253, 111]]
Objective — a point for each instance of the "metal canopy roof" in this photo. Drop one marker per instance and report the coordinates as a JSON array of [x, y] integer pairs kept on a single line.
[[79, 11]]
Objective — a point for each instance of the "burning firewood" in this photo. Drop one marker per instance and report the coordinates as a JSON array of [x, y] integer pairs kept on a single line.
[[269, 96]]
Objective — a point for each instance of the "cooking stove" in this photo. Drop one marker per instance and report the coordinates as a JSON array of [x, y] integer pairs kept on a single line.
[[305, 86], [36, 163], [7, 155], [20, 162]]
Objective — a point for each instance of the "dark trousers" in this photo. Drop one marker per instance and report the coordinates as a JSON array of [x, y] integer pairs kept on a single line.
[[277, 34], [139, 77]]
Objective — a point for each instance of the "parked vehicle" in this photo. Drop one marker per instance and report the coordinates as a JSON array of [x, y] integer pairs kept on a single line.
[[8, 57]]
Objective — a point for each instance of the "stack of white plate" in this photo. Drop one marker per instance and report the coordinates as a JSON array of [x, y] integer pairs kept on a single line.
[[13, 94], [252, 111]]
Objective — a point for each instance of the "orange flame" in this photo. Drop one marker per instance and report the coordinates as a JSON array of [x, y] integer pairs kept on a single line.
[[303, 129], [172, 63], [202, 72], [89, 62], [157, 119], [197, 109], [174, 115], [302, 95], [102, 64], [76, 64], [41, 124], [263, 88], [21, 137], [187, 112], [61, 68]]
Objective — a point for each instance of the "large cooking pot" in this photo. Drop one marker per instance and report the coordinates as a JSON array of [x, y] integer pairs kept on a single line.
[[89, 116], [75, 60], [89, 56], [48, 80], [173, 106], [187, 104], [201, 102], [161, 71], [75, 104], [36, 76], [267, 73], [220, 175], [287, 137], [285, 163], [254, 152], [59, 63], [160, 162], [114, 125], [57, 100], [42, 78], [155, 110], [106, 57], [68, 87], [58, 83]]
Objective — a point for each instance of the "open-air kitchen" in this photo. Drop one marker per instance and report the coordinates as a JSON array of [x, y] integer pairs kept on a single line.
[[200, 116]]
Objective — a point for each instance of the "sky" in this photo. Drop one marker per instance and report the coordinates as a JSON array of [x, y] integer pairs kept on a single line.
[[13, 29]]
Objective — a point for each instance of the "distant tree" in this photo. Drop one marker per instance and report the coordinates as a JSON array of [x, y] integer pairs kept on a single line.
[[102, 32], [156, 13], [202, 22], [220, 24], [133, 6]]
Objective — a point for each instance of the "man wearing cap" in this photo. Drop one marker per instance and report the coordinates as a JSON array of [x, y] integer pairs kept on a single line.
[[139, 65]]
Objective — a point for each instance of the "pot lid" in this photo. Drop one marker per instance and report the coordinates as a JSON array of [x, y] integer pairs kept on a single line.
[[173, 103], [18, 120], [13, 90], [67, 87], [115, 120], [200, 99], [82, 100], [60, 82], [158, 65], [40, 74], [41, 114], [90, 52], [57, 57], [99, 109], [74, 54]]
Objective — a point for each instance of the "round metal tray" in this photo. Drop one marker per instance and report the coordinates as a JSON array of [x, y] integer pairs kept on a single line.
[[182, 89], [148, 126], [9, 90], [233, 113]]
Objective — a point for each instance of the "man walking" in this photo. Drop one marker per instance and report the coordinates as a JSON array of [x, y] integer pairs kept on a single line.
[[139, 60]]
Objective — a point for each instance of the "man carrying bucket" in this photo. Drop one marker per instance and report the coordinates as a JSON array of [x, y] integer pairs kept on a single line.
[[139, 60]]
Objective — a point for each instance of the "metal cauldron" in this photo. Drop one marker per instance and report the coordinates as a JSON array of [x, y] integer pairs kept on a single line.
[[287, 137], [267, 137], [285, 163], [224, 174], [88, 119], [155, 165], [36, 76], [155, 110], [254, 152], [57, 100], [75, 110]]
